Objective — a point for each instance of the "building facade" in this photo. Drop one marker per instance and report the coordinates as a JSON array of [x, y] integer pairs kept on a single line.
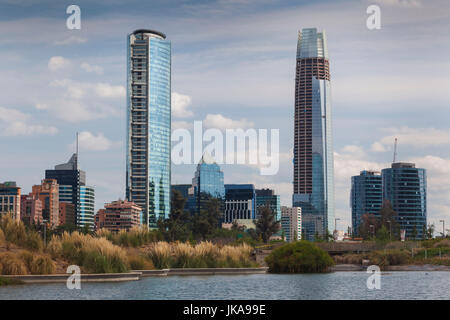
[[118, 215], [10, 199], [149, 123], [405, 186], [366, 196], [48, 193], [291, 223], [73, 189], [67, 214], [313, 179], [267, 197], [240, 202], [85, 215], [208, 182], [31, 209]]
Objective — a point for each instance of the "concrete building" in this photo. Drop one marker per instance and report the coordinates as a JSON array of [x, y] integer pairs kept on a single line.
[[118, 215], [313, 179], [10, 199], [291, 223], [31, 209], [48, 193], [67, 213]]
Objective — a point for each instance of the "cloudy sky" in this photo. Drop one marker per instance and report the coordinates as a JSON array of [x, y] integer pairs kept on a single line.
[[233, 65]]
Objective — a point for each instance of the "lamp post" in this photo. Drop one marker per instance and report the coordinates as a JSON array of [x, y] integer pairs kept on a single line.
[[443, 228], [372, 228]]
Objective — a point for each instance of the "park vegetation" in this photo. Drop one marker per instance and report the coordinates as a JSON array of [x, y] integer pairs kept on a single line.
[[299, 257]]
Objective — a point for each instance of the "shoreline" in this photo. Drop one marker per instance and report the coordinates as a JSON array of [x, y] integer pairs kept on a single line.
[[136, 275]]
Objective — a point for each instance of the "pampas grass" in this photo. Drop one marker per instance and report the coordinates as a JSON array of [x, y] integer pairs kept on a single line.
[[135, 237], [202, 255], [97, 255], [11, 264]]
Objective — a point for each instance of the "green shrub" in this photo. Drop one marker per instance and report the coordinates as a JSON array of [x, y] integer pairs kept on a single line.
[[299, 257], [140, 263]]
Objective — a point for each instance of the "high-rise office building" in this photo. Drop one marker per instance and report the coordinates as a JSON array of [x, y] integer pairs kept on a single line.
[[313, 144], [148, 123], [10, 199], [240, 202], [207, 183], [405, 186], [73, 189], [291, 223], [267, 197], [366, 196]]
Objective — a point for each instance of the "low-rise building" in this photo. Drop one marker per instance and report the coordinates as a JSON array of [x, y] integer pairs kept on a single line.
[[118, 215], [48, 193], [10, 199], [31, 209]]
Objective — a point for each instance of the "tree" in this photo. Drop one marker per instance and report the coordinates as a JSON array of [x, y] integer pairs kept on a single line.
[[204, 223], [368, 226], [430, 231], [176, 227], [382, 235], [266, 225]]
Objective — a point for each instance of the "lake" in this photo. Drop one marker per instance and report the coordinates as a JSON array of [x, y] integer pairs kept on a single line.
[[333, 286]]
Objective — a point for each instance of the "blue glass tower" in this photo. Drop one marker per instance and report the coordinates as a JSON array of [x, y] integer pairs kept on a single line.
[[405, 186], [365, 196], [148, 123], [207, 182], [313, 144]]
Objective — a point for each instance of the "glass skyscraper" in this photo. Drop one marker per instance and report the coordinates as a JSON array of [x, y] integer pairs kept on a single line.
[[313, 145], [148, 123], [405, 186], [208, 182], [73, 189], [366, 196], [267, 197]]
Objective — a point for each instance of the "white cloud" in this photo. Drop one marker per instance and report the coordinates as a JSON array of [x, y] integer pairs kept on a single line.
[[70, 40], [399, 3], [220, 122], [180, 103], [58, 63], [91, 68], [418, 137], [106, 90], [17, 123], [92, 142], [80, 101], [378, 147]]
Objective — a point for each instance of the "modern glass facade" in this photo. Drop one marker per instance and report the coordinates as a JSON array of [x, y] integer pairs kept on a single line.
[[70, 179], [405, 186], [149, 123], [313, 145], [268, 197], [240, 202], [365, 196], [87, 205]]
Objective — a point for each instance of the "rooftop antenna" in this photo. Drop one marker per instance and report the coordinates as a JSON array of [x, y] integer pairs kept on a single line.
[[76, 157], [395, 151]]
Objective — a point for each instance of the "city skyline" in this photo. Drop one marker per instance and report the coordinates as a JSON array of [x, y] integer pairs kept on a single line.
[[77, 84]]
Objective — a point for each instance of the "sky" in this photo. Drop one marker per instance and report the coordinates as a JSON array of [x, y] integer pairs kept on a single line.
[[233, 66]]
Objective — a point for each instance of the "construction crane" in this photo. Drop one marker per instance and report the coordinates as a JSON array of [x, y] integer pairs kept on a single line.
[[395, 151]]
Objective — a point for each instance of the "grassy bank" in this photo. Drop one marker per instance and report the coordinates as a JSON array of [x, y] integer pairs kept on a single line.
[[22, 252], [8, 281]]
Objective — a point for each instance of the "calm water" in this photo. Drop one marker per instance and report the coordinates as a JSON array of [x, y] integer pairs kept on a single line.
[[338, 285]]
